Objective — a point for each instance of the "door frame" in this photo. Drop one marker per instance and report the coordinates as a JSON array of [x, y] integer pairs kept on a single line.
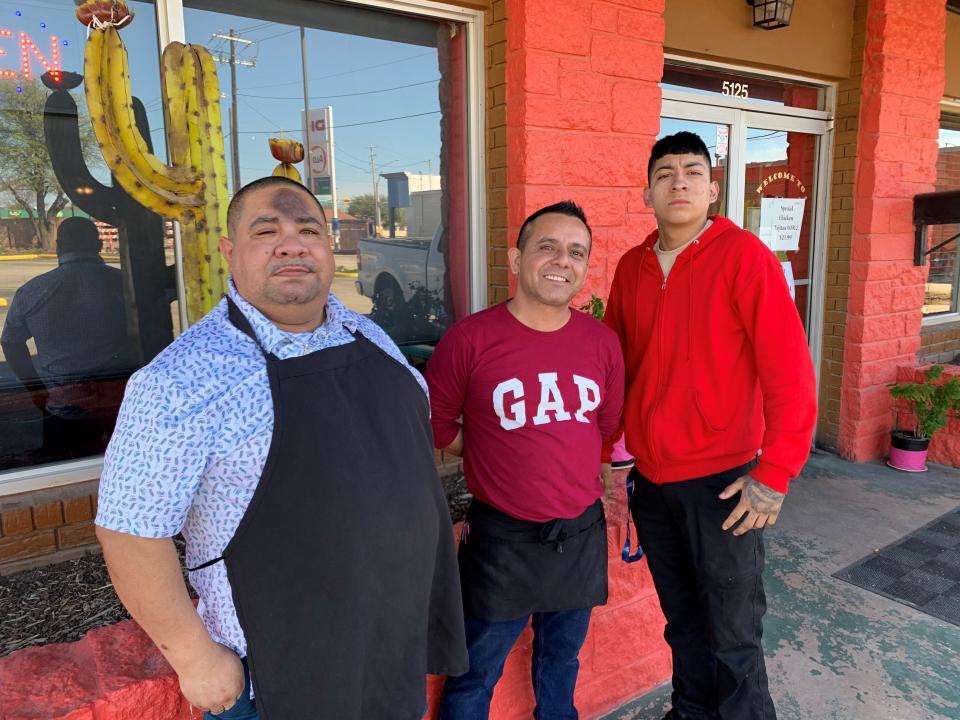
[[740, 114]]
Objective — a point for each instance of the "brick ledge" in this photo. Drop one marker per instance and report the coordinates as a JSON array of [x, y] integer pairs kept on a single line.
[[115, 672]]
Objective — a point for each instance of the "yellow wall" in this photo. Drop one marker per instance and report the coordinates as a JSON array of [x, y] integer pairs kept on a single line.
[[817, 43], [952, 56], [472, 4]]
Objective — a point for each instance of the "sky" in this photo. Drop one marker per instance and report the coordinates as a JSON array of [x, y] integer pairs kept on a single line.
[[373, 79]]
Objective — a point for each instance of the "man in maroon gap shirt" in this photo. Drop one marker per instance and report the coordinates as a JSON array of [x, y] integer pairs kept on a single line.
[[528, 391]]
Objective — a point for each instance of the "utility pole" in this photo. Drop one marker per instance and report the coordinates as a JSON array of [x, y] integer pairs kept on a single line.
[[233, 61], [376, 185]]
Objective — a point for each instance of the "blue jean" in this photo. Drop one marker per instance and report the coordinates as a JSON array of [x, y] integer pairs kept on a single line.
[[557, 639], [244, 709]]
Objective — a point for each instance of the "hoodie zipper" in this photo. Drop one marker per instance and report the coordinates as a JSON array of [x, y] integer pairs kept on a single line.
[[651, 441]]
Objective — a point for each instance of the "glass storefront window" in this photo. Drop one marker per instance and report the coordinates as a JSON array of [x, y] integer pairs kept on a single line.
[[943, 280], [88, 277], [87, 283], [390, 89]]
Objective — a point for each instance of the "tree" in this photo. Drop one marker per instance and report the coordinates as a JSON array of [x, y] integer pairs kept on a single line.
[[361, 206], [26, 174]]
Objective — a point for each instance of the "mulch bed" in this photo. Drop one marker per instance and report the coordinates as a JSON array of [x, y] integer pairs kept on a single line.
[[60, 603]]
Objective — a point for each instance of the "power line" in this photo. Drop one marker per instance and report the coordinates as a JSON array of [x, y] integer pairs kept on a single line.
[[345, 72], [252, 107], [368, 122], [271, 37], [328, 97]]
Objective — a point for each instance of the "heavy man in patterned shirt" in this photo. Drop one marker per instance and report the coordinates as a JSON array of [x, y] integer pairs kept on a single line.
[[289, 442]]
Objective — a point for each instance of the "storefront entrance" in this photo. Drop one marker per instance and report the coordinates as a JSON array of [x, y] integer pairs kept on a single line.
[[771, 160]]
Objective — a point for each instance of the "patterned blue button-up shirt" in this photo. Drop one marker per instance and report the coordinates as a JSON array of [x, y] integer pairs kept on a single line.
[[193, 435]]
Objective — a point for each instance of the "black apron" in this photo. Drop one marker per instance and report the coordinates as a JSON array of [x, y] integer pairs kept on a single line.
[[342, 568], [510, 568]]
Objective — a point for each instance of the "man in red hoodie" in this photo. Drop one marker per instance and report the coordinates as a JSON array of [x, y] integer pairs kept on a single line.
[[719, 414]]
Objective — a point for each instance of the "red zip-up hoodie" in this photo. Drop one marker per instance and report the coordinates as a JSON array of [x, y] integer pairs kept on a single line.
[[717, 363]]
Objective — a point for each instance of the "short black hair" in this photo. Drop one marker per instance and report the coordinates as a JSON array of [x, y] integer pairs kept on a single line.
[[681, 143], [236, 204], [78, 235], [564, 207]]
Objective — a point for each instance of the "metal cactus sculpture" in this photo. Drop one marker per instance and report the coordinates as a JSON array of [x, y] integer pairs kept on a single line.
[[287, 152], [149, 285], [192, 188]]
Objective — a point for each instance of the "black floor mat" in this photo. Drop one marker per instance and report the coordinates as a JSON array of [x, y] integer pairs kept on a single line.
[[921, 570]]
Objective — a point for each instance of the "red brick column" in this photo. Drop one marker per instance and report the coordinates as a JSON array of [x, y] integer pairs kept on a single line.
[[583, 110], [902, 84]]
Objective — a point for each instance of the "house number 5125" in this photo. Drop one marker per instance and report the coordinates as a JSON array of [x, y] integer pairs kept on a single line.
[[736, 89]]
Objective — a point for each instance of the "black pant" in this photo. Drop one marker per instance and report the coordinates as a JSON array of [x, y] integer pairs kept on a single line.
[[711, 591]]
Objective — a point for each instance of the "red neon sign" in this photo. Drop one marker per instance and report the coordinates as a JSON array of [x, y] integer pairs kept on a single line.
[[28, 46]]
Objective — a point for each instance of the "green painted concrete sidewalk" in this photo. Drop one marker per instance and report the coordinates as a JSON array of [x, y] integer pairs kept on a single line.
[[835, 651]]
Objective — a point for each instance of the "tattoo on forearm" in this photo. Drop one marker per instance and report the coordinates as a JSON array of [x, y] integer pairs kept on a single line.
[[763, 499]]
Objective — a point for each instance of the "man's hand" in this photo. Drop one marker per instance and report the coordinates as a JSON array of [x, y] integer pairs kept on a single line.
[[147, 576], [456, 447], [759, 503], [213, 680], [606, 479]]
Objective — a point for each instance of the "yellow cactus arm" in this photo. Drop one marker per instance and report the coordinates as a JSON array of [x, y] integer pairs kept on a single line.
[[193, 187], [130, 168], [182, 181]]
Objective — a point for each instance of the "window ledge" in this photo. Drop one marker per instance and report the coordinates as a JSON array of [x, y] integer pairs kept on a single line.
[[44, 477], [935, 321]]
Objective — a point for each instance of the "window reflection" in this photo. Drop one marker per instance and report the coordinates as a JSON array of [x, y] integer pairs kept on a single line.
[[943, 280], [378, 100], [86, 274]]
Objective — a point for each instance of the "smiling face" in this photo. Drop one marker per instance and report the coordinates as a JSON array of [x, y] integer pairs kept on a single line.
[[279, 256], [553, 263], [681, 192]]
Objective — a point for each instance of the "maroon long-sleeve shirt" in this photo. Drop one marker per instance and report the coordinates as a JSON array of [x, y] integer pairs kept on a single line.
[[536, 408]]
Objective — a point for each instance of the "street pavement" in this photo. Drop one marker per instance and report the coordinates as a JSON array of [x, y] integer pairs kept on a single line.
[[836, 651]]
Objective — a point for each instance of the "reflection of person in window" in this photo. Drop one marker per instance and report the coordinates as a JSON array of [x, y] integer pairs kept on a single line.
[[75, 315]]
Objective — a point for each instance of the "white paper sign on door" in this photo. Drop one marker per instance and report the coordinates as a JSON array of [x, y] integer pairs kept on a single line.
[[791, 283], [723, 140], [780, 222]]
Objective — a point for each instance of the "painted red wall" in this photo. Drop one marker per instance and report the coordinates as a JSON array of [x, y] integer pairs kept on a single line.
[[903, 81], [583, 110]]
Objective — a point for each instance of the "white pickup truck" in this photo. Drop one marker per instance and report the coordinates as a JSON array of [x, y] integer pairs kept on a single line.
[[405, 279]]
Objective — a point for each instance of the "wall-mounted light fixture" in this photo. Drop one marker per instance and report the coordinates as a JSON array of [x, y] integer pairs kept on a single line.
[[771, 14]]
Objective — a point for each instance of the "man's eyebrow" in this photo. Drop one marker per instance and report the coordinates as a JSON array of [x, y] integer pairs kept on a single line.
[[271, 219], [264, 220], [698, 161]]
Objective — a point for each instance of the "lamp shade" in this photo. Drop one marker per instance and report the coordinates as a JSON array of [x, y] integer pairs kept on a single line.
[[771, 14]]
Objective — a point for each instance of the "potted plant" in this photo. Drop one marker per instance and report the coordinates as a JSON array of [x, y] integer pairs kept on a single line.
[[621, 459], [931, 404]]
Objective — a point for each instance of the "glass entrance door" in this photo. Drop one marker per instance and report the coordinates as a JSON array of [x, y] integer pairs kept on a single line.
[[773, 182], [779, 173]]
